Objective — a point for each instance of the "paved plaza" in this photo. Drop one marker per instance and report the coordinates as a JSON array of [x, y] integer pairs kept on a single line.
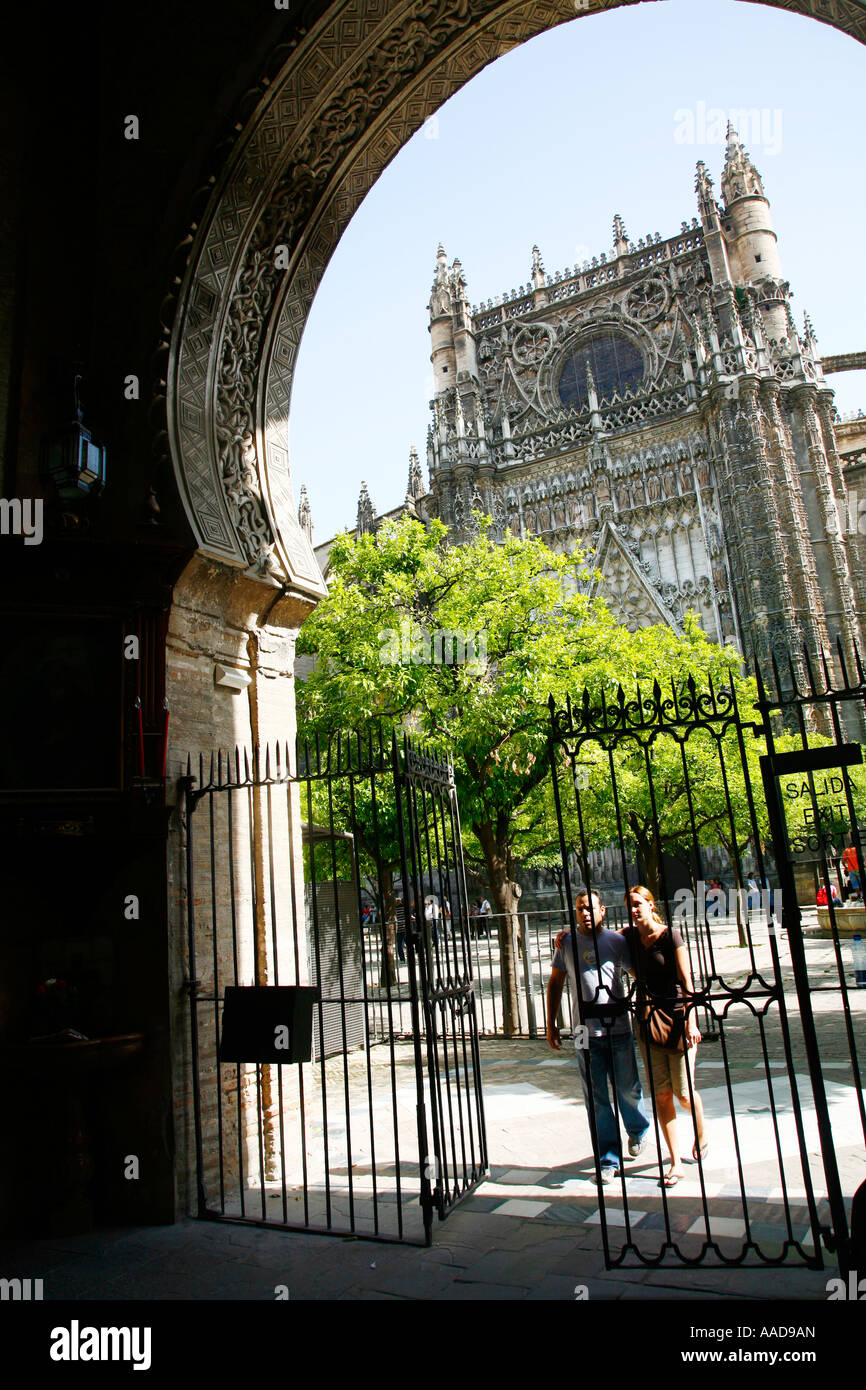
[[534, 1228]]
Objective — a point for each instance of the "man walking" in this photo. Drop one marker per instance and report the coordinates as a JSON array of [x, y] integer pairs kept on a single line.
[[608, 1057]]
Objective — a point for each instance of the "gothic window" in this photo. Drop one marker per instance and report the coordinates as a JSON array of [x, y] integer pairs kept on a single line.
[[615, 364]]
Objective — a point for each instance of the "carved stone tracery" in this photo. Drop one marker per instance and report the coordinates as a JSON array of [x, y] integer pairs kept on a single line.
[[356, 87]]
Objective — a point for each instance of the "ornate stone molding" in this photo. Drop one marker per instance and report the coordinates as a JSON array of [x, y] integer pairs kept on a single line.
[[352, 92]]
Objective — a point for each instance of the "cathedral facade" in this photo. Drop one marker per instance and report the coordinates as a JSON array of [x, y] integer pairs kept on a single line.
[[658, 410]]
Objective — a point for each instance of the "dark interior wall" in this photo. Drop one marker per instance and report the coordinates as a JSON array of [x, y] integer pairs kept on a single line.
[[90, 226], [95, 219]]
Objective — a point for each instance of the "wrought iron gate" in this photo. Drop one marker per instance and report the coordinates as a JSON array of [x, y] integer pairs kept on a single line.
[[667, 774], [327, 917]]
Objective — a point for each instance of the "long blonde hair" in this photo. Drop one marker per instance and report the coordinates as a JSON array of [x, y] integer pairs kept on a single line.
[[648, 897]]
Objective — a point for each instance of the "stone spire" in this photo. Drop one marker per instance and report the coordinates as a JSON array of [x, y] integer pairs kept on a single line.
[[711, 222], [305, 518], [620, 236], [752, 245], [440, 295], [809, 336], [366, 523], [458, 281], [447, 304], [538, 276], [740, 178], [416, 487], [706, 198]]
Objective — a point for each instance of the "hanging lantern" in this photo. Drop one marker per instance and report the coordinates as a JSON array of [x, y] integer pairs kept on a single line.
[[71, 458]]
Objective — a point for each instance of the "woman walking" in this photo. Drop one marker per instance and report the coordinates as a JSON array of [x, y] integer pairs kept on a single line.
[[669, 1034]]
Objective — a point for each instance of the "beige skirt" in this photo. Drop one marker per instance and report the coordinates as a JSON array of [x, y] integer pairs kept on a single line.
[[670, 1070]]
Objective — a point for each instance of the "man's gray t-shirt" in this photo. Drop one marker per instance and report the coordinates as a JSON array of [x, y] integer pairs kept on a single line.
[[608, 951]]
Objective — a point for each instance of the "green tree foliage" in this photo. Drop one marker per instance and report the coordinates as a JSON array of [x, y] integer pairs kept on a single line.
[[392, 592]]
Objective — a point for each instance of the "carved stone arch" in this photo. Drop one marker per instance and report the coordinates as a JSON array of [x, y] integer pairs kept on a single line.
[[352, 92]]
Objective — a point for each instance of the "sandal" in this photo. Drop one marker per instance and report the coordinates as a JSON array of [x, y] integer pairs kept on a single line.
[[670, 1180], [705, 1148]]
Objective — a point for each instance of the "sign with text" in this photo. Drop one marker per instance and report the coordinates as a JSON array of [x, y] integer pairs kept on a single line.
[[267, 1023], [816, 787]]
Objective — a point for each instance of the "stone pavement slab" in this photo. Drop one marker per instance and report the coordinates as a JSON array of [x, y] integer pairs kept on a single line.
[[530, 1230]]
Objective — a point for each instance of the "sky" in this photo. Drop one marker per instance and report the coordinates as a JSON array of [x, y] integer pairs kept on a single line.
[[608, 113]]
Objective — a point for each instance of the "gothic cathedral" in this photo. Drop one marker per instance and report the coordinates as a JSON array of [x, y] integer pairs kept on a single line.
[[658, 409]]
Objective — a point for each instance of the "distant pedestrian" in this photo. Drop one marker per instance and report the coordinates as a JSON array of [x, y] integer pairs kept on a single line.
[[485, 912], [852, 869], [431, 917]]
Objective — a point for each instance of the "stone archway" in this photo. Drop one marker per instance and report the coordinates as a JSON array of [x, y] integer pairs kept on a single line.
[[353, 91]]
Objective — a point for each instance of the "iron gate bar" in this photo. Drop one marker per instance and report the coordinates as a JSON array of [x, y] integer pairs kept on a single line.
[[317, 938], [430, 800], [428, 996], [858, 850], [783, 764], [463, 990], [369, 1066], [696, 850], [642, 720], [193, 984], [446, 994], [795, 702], [295, 832], [341, 975], [276, 966], [407, 849], [423, 787], [792, 925], [373, 762], [815, 759], [479, 1161], [386, 960]]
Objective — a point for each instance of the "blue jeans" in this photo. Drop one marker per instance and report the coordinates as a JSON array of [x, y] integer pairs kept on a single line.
[[624, 1076]]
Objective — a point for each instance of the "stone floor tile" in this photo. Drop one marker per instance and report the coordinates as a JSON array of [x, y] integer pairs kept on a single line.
[[526, 1210], [486, 1293], [558, 1287], [525, 1177], [504, 1267]]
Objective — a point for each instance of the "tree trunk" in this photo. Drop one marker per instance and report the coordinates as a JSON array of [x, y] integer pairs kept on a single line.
[[648, 855], [505, 902], [741, 929], [388, 974]]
